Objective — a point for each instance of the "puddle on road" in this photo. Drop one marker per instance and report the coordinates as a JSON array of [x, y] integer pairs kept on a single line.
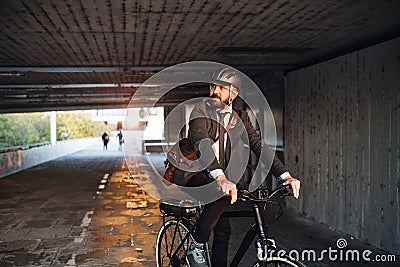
[[150, 221], [136, 228], [112, 220], [133, 260], [96, 254], [135, 204], [115, 198], [133, 212], [109, 241]]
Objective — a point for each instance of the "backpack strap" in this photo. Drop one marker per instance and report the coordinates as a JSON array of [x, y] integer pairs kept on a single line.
[[233, 120]]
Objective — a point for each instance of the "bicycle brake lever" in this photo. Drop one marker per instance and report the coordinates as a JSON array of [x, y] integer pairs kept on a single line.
[[283, 191], [288, 191], [246, 195], [242, 195]]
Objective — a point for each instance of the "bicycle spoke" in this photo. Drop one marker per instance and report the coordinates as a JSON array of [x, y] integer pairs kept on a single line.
[[171, 250]]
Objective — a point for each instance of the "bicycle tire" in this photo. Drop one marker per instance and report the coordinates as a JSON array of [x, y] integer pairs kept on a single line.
[[165, 236], [279, 262]]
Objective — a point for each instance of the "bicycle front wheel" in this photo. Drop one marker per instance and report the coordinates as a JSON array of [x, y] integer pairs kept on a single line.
[[279, 262], [171, 244]]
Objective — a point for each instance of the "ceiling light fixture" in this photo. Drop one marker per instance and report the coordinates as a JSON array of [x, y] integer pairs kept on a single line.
[[14, 73]]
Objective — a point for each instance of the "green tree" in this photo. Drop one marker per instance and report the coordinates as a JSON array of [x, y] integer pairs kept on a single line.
[[30, 128], [77, 124], [23, 129]]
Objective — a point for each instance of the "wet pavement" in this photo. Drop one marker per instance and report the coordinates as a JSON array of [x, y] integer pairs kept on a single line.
[[80, 210], [86, 209]]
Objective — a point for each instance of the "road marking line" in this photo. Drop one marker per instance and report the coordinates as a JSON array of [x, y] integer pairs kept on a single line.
[[71, 262], [86, 219], [85, 223]]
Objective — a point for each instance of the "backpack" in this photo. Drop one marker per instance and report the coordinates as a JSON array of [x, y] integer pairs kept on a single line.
[[179, 154], [182, 153]]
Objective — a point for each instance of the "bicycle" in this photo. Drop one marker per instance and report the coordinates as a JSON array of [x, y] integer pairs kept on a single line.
[[176, 233]]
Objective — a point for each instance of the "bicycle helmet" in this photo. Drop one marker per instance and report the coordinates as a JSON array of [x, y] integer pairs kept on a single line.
[[227, 77]]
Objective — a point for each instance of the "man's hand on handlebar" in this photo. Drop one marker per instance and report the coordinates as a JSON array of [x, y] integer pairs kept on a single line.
[[294, 183], [227, 187]]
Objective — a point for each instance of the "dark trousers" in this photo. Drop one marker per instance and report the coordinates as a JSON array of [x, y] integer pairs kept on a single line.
[[210, 219]]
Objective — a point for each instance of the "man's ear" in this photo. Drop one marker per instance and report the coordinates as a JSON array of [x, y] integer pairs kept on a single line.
[[234, 94]]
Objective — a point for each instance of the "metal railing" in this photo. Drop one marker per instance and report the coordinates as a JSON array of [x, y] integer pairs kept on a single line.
[[23, 147]]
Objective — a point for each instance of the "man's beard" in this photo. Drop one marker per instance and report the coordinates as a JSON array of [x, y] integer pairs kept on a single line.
[[217, 103]]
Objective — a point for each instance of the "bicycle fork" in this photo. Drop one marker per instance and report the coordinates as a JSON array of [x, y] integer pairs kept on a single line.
[[265, 249], [265, 246]]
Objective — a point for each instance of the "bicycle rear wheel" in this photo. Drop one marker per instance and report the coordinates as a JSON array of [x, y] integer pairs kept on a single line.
[[170, 236], [279, 262]]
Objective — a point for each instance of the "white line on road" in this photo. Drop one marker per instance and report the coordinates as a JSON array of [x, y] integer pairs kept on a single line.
[[71, 262], [85, 223]]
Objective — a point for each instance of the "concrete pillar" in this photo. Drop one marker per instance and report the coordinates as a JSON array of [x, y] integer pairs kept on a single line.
[[53, 128]]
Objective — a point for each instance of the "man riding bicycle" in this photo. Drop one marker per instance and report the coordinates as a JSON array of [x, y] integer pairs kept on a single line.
[[224, 88]]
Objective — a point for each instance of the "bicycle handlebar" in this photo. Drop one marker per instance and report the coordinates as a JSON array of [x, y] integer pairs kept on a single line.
[[264, 195]]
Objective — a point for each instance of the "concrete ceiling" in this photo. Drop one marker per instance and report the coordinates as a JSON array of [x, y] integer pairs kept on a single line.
[[58, 55]]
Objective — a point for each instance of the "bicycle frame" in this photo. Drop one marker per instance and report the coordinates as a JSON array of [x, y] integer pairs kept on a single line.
[[257, 228], [264, 245]]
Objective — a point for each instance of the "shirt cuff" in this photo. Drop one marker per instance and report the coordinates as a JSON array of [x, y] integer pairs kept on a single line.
[[283, 176], [216, 172]]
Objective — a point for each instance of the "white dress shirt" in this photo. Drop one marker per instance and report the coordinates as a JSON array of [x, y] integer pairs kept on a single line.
[[215, 147]]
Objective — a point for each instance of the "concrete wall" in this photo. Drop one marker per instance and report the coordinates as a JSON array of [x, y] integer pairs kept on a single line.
[[272, 86], [15, 161], [342, 139]]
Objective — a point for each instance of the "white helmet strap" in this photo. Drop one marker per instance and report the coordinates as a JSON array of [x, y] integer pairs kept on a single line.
[[230, 95]]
